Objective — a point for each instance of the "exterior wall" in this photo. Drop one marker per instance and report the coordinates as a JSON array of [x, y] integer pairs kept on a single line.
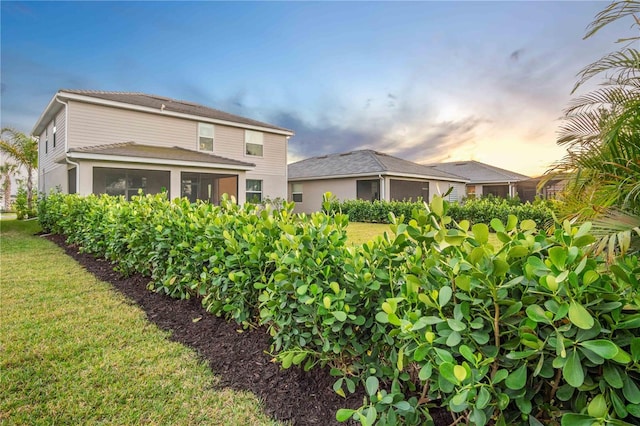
[[98, 125], [49, 175], [53, 179], [91, 125], [346, 189], [86, 176], [313, 190], [437, 187]]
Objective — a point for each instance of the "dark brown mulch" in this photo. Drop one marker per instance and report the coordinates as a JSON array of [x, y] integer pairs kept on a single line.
[[238, 357]]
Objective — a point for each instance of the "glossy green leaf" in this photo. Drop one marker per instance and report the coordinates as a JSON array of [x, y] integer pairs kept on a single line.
[[344, 414], [572, 370], [446, 371], [340, 316], [605, 348], [598, 407], [480, 232], [571, 419], [518, 251], [437, 205], [484, 396], [579, 316], [517, 379], [635, 349], [558, 256], [630, 390], [371, 384], [497, 225], [537, 314], [444, 295]]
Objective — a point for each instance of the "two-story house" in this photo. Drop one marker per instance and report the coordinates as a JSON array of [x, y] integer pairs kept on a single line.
[[118, 143]]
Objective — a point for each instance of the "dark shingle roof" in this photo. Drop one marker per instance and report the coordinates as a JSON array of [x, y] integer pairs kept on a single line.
[[478, 172], [362, 163], [132, 149], [171, 105]]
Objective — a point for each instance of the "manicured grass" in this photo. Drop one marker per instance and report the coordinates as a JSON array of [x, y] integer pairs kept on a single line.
[[73, 351], [360, 233]]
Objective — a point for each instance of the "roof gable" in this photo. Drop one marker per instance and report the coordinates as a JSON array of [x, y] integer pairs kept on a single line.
[[478, 172]]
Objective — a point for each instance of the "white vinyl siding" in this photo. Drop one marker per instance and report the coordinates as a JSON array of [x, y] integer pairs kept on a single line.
[[49, 177], [92, 125], [253, 143]]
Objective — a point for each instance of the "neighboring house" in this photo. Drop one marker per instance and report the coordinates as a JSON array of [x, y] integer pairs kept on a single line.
[[484, 179], [366, 175], [119, 142]]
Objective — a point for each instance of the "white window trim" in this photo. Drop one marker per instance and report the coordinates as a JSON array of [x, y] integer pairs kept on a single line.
[[246, 141], [247, 192], [212, 137], [294, 192]]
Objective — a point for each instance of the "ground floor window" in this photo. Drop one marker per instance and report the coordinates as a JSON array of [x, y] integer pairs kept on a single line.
[[471, 191], [208, 186], [296, 192], [368, 190], [128, 182], [254, 190], [496, 190], [405, 190]]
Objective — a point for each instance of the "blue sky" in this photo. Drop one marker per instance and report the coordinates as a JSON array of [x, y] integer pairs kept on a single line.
[[425, 81]]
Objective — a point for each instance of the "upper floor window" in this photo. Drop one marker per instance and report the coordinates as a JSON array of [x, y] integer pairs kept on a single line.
[[253, 143], [205, 137], [54, 132]]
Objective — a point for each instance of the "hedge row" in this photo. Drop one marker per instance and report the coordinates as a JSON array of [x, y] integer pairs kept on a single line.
[[530, 332], [480, 210]]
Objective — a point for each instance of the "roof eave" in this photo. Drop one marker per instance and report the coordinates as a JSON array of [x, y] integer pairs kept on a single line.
[[376, 174], [74, 155], [52, 107]]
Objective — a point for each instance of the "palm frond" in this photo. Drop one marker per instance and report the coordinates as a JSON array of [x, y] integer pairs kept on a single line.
[[621, 65], [612, 13]]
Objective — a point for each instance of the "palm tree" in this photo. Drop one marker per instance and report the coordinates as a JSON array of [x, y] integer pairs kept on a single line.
[[601, 132], [23, 150], [6, 170]]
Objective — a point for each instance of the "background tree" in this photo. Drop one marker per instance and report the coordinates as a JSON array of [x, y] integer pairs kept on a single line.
[[6, 171], [23, 150], [601, 131]]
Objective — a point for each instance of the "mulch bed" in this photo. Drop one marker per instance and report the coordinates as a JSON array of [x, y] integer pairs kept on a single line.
[[238, 357]]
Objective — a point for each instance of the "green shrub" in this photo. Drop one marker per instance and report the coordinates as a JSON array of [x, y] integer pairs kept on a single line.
[[430, 315], [21, 205], [480, 210]]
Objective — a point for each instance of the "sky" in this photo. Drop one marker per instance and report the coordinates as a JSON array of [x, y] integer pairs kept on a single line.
[[424, 81]]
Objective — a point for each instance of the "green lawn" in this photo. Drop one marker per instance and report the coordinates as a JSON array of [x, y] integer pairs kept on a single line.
[[73, 351], [360, 233]]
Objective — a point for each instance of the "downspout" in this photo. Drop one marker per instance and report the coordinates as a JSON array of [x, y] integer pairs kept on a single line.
[[66, 144]]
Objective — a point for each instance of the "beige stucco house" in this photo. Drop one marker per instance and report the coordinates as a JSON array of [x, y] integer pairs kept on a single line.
[[120, 142], [367, 175]]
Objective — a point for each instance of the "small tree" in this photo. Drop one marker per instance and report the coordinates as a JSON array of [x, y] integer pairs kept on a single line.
[[6, 170], [23, 150]]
